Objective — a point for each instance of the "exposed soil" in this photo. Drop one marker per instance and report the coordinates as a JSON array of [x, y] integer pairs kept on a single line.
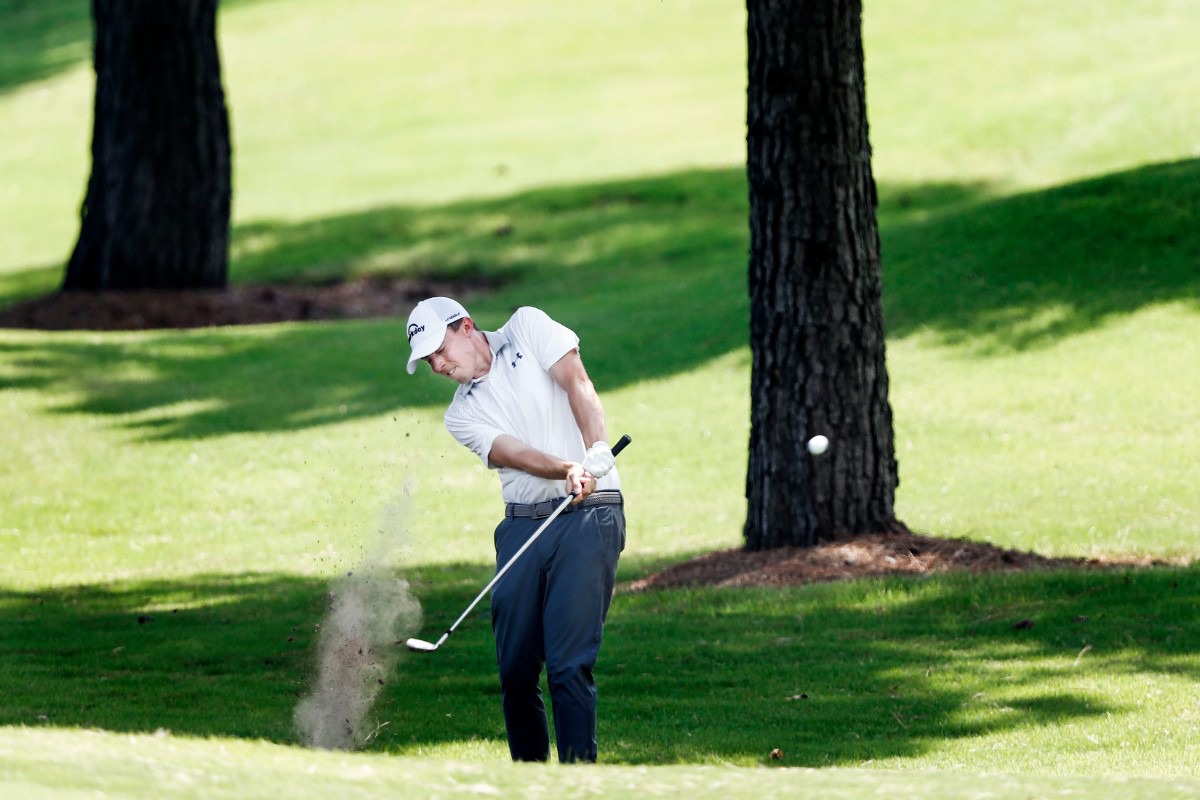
[[900, 552], [236, 305]]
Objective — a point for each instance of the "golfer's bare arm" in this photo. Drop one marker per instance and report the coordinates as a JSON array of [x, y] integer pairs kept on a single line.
[[509, 451], [569, 373]]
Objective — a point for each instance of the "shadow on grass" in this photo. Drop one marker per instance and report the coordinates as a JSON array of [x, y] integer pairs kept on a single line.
[[839, 674], [832, 674], [650, 272], [1029, 270], [642, 270], [42, 38], [218, 381]]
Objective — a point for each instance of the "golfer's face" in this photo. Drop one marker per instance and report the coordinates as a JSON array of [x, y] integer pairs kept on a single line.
[[455, 359]]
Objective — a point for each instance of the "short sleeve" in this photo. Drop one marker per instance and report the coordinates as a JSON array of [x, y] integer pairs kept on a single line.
[[540, 335]]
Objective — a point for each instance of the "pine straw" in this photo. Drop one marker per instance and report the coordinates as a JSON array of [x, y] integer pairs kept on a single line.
[[901, 553]]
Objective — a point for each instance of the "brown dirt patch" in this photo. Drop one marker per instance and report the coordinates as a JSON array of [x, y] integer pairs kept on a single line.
[[237, 305], [900, 553]]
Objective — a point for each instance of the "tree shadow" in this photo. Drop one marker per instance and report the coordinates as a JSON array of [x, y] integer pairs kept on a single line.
[[217, 655], [43, 38], [1029, 270], [598, 258], [821, 672], [214, 382], [650, 272], [845, 673]]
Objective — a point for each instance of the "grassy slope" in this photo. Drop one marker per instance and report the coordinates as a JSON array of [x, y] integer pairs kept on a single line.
[[182, 769], [1041, 296]]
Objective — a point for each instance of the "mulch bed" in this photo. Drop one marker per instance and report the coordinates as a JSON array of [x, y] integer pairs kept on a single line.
[[237, 305], [900, 553]]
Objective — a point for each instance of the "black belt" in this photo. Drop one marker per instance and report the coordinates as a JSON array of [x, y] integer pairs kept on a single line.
[[546, 507]]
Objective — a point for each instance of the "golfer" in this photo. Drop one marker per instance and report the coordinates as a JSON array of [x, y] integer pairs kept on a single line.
[[526, 407]]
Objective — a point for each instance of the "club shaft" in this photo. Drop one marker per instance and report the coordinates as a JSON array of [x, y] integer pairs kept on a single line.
[[500, 572], [620, 445]]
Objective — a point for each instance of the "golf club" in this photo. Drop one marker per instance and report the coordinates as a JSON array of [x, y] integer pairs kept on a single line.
[[422, 646]]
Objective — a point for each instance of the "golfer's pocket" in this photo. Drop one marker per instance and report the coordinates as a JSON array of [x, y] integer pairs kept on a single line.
[[612, 527]]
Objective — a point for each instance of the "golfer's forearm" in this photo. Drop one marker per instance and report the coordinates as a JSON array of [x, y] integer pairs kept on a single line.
[[508, 451], [589, 414]]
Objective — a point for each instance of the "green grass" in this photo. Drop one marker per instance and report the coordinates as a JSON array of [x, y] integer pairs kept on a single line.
[[888, 674], [925, 669], [1037, 172], [182, 768]]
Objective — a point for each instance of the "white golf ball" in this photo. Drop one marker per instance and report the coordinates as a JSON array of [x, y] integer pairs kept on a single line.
[[818, 444]]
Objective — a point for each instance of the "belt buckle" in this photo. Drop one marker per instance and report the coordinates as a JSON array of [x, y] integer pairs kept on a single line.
[[543, 509]]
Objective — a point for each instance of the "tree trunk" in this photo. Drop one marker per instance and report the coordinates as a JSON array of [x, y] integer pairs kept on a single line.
[[816, 319], [156, 214]]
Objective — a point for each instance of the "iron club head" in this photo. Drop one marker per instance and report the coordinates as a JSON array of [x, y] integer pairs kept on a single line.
[[421, 646]]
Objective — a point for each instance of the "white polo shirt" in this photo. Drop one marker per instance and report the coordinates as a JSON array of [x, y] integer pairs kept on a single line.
[[518, 397]]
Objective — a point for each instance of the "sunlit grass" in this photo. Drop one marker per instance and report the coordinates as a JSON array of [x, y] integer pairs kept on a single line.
[[1070, 450], [174, 504], [182, 768]]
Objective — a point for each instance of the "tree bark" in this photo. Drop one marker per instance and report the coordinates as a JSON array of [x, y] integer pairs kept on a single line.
[[156, 213], [816, 318]]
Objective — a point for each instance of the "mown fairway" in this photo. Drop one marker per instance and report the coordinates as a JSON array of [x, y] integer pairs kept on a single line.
[[174, 505]]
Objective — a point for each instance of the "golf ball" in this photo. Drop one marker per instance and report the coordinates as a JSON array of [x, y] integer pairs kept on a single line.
[[818, 444]]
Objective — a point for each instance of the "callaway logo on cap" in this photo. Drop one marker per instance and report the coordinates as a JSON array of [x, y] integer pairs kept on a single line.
[[427, 326]]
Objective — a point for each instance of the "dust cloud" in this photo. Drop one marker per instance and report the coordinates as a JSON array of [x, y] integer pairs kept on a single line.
[[370, 609]]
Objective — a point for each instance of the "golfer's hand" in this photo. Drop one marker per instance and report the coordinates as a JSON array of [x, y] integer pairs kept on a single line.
[[580, 482], [599, 459]]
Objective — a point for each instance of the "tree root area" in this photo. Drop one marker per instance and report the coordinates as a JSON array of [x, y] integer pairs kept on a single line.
[[871, 555]]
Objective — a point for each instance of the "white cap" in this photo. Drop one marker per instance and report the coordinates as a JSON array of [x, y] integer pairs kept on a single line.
[[427, 326]]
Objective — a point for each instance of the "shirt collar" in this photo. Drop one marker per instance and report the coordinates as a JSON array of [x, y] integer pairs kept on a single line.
[[497, 340]]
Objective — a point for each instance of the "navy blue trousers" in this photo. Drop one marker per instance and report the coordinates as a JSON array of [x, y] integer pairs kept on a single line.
[[550, 608]]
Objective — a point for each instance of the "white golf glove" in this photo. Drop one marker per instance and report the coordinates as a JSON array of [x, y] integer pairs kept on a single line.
[[599, 460]]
